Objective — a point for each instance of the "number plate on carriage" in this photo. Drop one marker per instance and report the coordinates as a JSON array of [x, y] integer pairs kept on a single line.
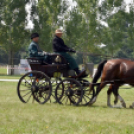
[[34, 61]]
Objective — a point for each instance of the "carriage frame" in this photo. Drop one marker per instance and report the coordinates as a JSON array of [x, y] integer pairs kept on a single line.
[[65, 88]]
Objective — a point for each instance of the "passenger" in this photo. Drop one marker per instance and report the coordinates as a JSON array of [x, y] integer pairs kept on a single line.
[[34, 49], [60, 47]]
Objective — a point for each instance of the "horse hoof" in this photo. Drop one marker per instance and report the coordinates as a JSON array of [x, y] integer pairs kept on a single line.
[[110, 106], [131, 107], [124, 105], [92, 101]]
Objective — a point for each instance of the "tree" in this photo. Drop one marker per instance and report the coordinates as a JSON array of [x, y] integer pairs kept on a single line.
[[46, 17], [73, 28], [12, 27], [115, 35], [117, 31], [83, 30], [91, 32]]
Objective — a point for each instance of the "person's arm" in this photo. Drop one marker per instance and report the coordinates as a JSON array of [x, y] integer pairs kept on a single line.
[[62, 47], [34, 51], [71, 50], [68, 48], [40, 52]]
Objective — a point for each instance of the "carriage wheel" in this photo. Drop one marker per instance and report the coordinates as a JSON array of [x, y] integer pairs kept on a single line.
[[54, 81], [34, 85], [87, 97], [69, 91]]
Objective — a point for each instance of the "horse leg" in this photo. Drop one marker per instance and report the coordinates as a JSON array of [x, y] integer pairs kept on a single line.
[[117, 96], [132, 106], [122, 101], [115, 92], [102, 85], [109, 96], [91, 88]]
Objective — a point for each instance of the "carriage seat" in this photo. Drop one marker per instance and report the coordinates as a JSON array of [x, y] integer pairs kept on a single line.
[[52, 58]]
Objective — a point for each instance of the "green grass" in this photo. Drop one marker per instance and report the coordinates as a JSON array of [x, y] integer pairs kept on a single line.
[[3, 71], [10, 76], [19, 118], [3, 74], [19, 76]]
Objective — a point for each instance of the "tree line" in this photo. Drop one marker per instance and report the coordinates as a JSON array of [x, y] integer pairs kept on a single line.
[[86, 26]]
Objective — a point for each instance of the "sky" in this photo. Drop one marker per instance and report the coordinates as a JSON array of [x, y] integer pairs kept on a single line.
[[72, 4]]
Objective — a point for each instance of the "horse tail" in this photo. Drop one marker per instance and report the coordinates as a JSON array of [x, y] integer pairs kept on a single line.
[[98, 73]]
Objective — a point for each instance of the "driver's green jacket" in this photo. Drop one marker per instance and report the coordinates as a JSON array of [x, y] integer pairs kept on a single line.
[[35, 51]]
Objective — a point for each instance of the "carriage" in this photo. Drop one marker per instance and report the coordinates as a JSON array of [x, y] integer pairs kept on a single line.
[[53, 82]]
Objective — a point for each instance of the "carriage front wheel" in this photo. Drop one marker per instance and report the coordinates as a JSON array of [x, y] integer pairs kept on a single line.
[[34, 85]]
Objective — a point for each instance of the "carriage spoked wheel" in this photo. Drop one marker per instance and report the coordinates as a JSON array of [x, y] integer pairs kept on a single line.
[[69, 91], [54, 81], [87, 97], [34, 85]]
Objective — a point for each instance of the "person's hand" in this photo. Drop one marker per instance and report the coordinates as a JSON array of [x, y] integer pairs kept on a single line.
[[73, 51], [44, 52]]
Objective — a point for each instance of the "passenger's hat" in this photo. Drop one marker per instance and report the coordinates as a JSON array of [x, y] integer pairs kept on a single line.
[[58, 31], [34, 35]]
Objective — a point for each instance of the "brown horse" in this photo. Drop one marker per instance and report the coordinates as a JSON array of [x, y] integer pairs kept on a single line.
[[115, 72]]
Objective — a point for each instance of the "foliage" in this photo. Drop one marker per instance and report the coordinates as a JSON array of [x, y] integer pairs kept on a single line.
[[12, 27], [86, 26], [47, 16], [83, 28]]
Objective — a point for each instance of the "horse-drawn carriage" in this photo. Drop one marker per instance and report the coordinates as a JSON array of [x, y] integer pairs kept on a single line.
[[53, 81]]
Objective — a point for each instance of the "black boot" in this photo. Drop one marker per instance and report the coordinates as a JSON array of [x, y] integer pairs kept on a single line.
[[80, 73]]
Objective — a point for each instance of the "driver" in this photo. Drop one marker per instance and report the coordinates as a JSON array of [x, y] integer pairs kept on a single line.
[[34, 49], [62, 49]]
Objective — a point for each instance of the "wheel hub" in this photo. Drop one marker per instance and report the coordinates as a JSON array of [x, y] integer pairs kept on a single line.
[[45, 89], [78, 92], [69, 92], [35, 88]]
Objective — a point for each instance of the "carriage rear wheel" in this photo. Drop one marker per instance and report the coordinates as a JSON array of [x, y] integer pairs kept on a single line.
[[69, 91], [34, 85]]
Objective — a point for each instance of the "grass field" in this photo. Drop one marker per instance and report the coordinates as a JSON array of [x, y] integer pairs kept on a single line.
[[19, 118], [10, 76], [3, 71], [3, 74]]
